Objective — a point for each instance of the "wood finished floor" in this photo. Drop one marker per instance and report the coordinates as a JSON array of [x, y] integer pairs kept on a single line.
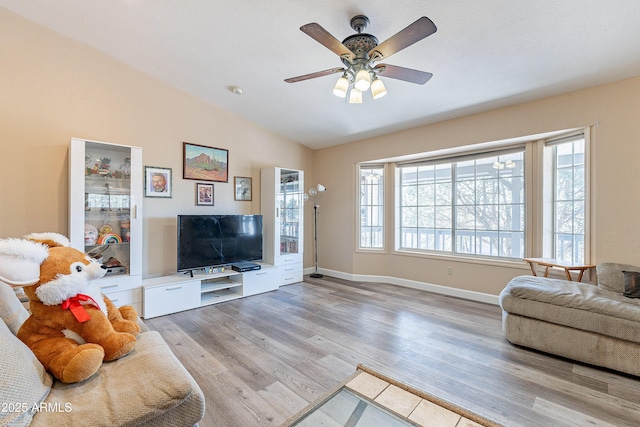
[[261, 359]]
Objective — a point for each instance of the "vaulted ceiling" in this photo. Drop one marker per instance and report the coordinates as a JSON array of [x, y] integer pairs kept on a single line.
[[484, 55]]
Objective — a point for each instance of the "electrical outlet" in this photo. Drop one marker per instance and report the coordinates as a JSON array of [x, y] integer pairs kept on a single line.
[[450, 271]]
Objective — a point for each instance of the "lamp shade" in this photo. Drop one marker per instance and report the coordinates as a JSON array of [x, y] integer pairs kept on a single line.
[[341, 87], [363, 80], [377, 88], [355, 97]]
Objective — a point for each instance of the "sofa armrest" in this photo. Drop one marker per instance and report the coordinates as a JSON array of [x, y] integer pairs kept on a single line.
[[147, 387]]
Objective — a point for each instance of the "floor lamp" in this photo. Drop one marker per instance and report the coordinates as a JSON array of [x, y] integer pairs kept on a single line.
[[315, 194]]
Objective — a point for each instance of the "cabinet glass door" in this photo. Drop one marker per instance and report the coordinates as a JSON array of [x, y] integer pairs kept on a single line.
[[290, 203], [107, 206]]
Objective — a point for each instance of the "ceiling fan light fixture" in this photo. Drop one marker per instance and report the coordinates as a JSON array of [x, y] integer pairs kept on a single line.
[[360, 52], [341, 88], [363, 80], [377, 88], [355, 96]]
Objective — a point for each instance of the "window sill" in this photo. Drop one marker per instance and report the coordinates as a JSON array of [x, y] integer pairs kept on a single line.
[[506, 262], [372, 251]]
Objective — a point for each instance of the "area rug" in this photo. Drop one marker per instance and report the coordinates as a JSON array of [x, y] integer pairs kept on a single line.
[[369, 398]]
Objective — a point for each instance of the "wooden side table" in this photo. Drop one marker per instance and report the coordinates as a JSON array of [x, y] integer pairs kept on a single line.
[[553, 263]]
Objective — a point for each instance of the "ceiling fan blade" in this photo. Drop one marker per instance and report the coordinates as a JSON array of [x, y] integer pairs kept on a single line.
[[322, 36], [401, 73], [314, 75], [415, 32]]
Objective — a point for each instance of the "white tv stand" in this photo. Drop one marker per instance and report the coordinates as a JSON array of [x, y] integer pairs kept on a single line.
[[179, 292]]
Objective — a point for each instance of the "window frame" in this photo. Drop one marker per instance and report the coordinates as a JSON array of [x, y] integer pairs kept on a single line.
[[384, 186], [548, 145]]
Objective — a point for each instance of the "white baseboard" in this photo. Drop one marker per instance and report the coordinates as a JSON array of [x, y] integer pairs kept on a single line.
[[429, 287]]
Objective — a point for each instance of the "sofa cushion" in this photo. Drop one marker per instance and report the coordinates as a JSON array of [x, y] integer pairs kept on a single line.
[[24, 383], [577, 305], [135, 389], [611, 276], [631, 284], [11, 309]]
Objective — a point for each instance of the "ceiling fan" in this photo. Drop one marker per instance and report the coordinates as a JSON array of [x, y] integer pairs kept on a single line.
[[360, 52]]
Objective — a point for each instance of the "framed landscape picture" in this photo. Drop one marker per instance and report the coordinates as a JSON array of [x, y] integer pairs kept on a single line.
[[157, 182], [205, 163]]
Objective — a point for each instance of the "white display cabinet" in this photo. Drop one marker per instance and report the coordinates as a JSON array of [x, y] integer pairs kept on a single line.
[[105, 214], [282, 205]]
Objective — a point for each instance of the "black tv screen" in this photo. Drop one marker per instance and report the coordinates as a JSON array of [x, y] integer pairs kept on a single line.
[[215, 240]]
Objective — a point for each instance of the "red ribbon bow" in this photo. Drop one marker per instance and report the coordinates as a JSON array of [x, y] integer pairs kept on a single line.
[[77, 309]]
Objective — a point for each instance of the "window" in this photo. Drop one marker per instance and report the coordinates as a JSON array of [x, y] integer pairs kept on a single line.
[[371, 207], [467, 205], [569, 203], [474, 203]]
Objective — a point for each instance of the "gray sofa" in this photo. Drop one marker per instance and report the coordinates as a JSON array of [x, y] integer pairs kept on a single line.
[[594, 324], [148, 387]]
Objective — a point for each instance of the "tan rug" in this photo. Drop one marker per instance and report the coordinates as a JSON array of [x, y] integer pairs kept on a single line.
[[414, 406]]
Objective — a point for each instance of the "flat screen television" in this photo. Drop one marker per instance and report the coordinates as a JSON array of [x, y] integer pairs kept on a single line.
[[216, 240]]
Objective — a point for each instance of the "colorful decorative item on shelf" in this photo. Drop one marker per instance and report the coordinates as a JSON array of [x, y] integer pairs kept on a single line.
[[106, 229], [90, 234], [109, 238], [125, 226]]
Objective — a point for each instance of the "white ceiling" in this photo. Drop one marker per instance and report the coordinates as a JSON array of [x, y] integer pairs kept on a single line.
[[485, 54]]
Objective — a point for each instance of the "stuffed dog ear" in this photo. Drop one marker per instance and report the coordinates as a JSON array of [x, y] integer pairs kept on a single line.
[[20, 261], [49, 239]]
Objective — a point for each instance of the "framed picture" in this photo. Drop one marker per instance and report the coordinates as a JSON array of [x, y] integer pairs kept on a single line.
[[204, 194], [157, 182], [205, 163], [243, 187]]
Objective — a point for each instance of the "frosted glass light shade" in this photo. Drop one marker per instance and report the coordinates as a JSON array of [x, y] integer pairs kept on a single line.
[[377, 88], [355, 97], [363, 81], [341, 87]]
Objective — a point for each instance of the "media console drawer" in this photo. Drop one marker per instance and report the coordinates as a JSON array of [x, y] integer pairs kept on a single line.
[[291, 273], [170, 298], [132, 297], [258, 281]]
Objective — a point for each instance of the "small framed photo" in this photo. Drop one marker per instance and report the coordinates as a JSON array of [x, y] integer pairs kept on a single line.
[[204, 194], [157, 182], [205, 163], [243, 188]]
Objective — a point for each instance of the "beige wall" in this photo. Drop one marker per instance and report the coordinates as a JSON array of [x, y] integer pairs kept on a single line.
[[53, 89], [612, 109]]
